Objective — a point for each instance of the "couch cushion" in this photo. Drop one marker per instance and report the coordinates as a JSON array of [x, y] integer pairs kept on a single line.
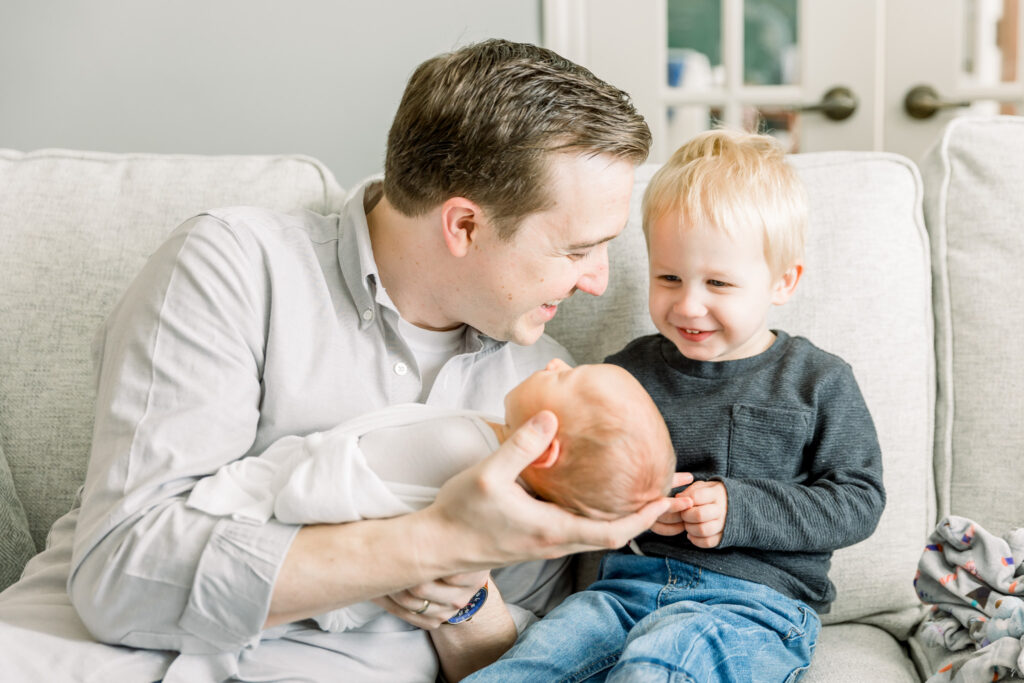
[[855, 653], [16, 546], [975, 212], [865, 296], [76, 227], [37, 617]]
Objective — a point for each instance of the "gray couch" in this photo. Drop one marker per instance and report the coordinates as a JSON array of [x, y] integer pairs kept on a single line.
[[913, 275]]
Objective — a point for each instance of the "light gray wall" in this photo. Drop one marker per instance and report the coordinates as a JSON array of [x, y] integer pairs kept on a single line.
[[318, 77]]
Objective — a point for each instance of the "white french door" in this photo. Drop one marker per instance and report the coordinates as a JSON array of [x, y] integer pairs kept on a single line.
[[820, 75]]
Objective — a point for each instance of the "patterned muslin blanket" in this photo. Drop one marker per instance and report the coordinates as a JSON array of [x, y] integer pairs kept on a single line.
[[974, 581]]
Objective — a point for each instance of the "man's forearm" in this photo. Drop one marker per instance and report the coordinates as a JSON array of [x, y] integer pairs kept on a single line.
[[333, 565]]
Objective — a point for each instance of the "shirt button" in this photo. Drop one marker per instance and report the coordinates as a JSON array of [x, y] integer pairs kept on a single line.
[[401, 368], [368, 314]]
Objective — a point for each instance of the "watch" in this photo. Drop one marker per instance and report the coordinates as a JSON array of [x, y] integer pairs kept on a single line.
[[471, 607]]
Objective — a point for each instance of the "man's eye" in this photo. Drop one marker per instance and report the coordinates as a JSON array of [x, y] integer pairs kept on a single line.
[[576, 256]]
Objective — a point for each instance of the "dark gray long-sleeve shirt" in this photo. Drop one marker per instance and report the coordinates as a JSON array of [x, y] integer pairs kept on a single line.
[[788, 433]]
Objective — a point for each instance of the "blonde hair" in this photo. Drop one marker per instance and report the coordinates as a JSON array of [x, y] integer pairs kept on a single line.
[[616, 455], [732, 181]]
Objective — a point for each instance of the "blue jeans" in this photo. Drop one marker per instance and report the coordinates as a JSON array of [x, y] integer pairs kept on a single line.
[[656, 619]]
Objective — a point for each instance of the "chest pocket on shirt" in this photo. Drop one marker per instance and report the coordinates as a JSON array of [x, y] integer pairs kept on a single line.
[[767, 442]]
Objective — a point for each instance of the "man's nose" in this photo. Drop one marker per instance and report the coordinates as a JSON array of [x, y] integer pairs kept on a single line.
[[595, 279]]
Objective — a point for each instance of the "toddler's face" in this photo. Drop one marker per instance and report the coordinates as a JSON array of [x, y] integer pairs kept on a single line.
[[710, 293]]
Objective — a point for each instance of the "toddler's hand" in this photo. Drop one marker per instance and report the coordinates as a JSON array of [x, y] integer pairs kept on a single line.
[[704, 521], [670, 523]]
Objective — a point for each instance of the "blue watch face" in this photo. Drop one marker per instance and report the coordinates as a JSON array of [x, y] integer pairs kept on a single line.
[[471, 607]]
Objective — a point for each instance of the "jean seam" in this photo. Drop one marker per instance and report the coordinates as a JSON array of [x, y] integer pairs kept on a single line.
[[585, 673], [662, 664], [670, 584], [796, 673], [672, 580], [798, 631]]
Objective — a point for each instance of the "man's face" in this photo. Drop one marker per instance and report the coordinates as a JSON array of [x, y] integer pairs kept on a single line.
[[513, 288]]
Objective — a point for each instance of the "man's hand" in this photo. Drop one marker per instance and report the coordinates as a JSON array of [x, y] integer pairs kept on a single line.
[[704, 521], [430, 604], [485, 514]]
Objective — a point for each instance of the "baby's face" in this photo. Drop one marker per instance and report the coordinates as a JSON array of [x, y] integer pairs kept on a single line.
[[559, 388]]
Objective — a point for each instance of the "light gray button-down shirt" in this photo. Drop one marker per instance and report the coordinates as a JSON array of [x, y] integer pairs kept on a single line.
[[247, 326]]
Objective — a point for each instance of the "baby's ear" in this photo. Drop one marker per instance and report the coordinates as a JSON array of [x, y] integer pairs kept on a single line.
[[548, 457]]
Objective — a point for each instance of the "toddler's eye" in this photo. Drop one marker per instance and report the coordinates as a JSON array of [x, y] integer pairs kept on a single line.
[[718, 283], [669, 278]]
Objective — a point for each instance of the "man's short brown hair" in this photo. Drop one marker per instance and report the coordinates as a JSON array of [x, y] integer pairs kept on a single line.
[[478, 123]]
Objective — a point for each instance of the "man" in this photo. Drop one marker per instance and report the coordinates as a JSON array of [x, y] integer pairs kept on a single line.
[[508, 171]]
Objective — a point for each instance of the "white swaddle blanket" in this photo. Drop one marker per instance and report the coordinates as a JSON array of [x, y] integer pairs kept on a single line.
[[382, 464]]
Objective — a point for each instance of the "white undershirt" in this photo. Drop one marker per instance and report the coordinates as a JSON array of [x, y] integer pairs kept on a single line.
[[432, 350]]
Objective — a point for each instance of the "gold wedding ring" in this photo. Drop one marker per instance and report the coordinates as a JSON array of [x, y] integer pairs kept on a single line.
[[421, 610]]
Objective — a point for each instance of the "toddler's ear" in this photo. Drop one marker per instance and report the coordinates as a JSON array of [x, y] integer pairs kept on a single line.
[[548, 457], [786, 285]]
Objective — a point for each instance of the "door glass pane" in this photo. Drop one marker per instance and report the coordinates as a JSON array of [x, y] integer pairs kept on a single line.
[[770, 54], [694, 63], [770, 48], [695, 43]]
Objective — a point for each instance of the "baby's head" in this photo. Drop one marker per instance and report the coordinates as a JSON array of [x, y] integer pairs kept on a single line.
[[612, 453], [725, 219]]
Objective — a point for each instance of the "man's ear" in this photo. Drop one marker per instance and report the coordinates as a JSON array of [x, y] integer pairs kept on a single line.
[[460, 224], [548, 457], [786, 285]]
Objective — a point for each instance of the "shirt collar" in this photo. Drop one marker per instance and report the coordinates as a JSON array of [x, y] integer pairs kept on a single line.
[[355, 253]]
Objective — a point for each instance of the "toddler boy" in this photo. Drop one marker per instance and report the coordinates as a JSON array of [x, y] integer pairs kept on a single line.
[[729, 583]]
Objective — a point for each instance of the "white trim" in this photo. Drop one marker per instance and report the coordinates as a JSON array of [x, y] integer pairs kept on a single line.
[[732, 58], [564, 28], [878, 111], [789, 95]]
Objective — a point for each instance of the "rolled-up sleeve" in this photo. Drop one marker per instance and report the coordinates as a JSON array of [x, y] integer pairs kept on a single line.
[[234, 581]]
